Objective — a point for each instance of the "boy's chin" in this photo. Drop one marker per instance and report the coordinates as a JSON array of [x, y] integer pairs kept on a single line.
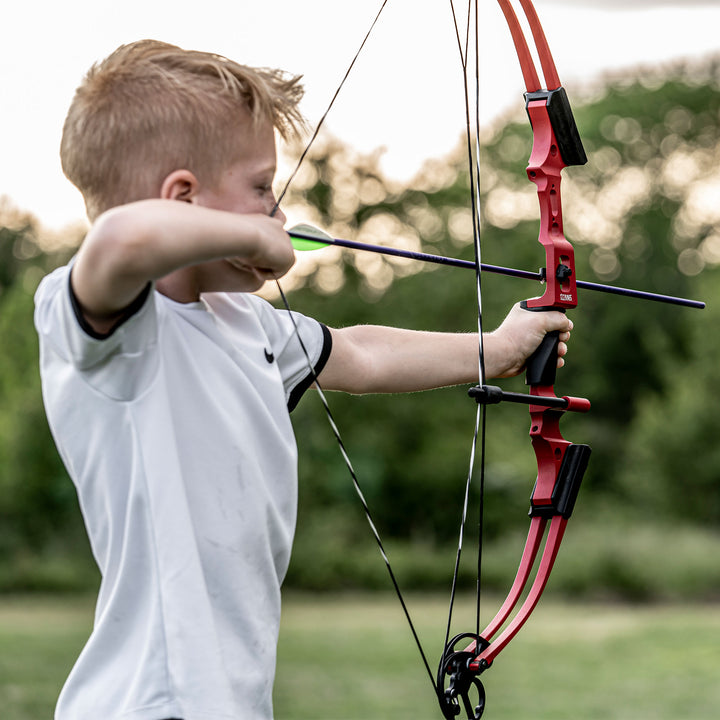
[[234, 287]]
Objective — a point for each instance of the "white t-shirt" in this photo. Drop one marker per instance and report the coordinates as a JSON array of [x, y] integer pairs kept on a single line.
[[176, 432]]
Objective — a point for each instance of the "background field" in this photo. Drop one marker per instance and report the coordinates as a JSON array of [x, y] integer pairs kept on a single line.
[[352, 657]]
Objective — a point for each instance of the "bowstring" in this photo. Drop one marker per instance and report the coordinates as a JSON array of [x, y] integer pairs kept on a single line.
[[313, 374], [479, 433], [321, 122], [358, 489]]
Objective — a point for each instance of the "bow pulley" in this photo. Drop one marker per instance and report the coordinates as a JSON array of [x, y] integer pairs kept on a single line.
[[458, 684]]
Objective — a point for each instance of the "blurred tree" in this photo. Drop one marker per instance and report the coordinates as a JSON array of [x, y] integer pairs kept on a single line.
[[636, 216], [38, 506], [643, 213], [672, 463]]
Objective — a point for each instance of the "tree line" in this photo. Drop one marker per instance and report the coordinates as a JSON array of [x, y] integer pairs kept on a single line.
[[640, 214]]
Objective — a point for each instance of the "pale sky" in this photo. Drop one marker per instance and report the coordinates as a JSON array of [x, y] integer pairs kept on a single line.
[[404, 94]]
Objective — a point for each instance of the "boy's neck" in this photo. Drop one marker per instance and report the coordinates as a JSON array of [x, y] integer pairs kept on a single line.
[[180, 286]]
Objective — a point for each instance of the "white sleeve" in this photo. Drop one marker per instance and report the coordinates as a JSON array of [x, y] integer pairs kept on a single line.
[[66, 338], [301, 346]]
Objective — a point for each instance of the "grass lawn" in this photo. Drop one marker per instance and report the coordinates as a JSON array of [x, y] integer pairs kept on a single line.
[[352, 657]]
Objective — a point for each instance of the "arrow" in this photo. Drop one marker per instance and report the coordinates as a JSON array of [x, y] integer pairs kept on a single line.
[[307, 237]]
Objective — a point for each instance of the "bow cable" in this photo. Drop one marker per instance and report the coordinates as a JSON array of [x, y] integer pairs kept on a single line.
[[481, 412], [321, 394], [472, 115], [321, 122], [561, 464]]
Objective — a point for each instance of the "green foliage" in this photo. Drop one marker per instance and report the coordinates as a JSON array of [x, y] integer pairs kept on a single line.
[[38, 507], [634, 217], [673, 458], [638, 215]]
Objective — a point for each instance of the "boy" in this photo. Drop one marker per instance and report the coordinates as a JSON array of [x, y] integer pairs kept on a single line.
[[167, 384]]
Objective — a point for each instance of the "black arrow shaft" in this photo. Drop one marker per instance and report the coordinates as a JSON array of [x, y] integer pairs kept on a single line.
[[497, 269]]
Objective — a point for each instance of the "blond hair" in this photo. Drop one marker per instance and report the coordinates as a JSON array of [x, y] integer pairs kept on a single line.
[[151, 108]]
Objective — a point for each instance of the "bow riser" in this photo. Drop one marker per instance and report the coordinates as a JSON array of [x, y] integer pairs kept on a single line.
[[561, 466], [549, 446], [545, 171]]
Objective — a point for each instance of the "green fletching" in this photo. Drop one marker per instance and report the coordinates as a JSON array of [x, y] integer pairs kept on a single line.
[[308, 241], [303, 244]]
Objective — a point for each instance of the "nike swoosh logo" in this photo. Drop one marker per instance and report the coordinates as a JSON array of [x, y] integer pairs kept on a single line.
[[269, 357]]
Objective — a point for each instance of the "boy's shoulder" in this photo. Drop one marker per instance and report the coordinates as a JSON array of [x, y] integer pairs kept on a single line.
[[52, 293], [53, 282]]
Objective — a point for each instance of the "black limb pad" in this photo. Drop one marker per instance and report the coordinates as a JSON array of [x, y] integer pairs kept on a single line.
[[567, 485], [563, 124]]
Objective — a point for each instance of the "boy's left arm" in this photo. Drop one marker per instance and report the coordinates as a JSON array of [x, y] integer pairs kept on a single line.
[[376, 359]]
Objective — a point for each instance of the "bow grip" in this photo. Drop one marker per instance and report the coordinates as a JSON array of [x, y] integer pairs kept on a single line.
[[542, 364]]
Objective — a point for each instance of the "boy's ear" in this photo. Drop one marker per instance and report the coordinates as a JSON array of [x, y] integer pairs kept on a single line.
[[179, 185]]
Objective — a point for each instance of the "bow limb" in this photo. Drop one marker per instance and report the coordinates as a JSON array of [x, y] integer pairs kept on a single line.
[[552, 545], [527, 66], [552, 80]]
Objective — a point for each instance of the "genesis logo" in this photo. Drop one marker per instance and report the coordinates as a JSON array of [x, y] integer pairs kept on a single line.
[[269, 357]]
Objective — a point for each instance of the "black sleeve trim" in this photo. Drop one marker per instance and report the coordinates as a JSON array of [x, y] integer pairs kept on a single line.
[[299, 390], [124, 315]]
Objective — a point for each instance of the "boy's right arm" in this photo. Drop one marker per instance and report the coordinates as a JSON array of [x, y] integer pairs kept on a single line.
[[132, 245]]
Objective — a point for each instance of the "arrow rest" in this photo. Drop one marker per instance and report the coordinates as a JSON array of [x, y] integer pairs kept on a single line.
[[463, 677]]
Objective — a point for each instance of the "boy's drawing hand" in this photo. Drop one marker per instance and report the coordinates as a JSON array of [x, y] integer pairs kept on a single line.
[[522, 331], [272, 255]]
